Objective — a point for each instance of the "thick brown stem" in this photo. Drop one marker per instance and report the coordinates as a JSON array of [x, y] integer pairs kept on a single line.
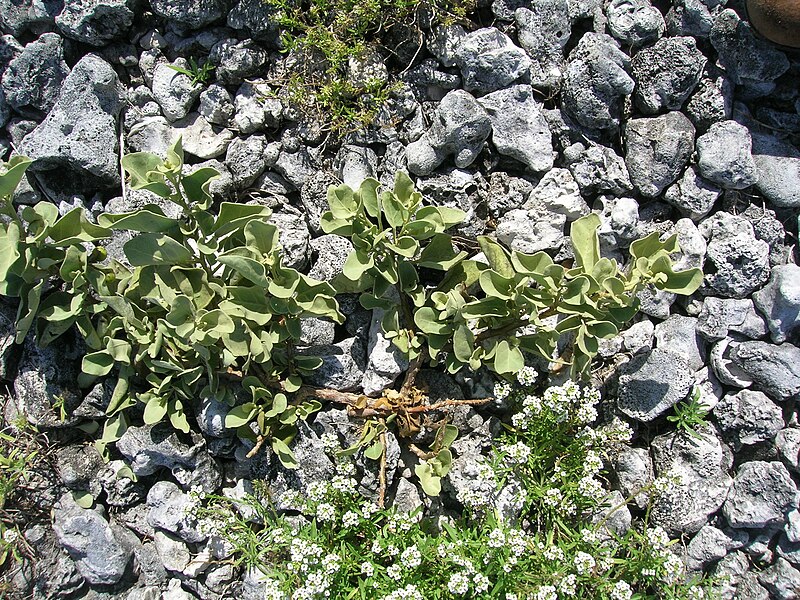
[[382, 473], [257, 447]]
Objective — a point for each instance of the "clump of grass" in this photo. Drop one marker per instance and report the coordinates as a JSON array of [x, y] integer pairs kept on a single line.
[[324, 35]]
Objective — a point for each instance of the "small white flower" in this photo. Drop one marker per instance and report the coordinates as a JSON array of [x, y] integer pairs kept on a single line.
[[317, 490], [326, 512], [517, 454], [367, 568], [411, 557], [554, 554], [481, 583], [696, 593], [330, 442], [369, 509], [497, 538], [527, 376], [568, 585], [546, 592], [394, 572], [392, 550], [511, 596], [501, 390], [458, 584], [621, 591], [331, 563], [351, 519], [584, 563]]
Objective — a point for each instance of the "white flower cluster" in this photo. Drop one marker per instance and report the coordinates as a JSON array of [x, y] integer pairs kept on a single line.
[[310, 560], [330, 442], [317, 491], [568, 586], [546, 592], [411, 557], [621, 591], [410, 592], [480, 494], [666, 484], [560, 401], [458, 584], [584, 563], [527, 376], [516, 454], [272, 590], [502, 389]]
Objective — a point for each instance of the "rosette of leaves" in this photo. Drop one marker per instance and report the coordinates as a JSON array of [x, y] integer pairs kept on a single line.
[[488, 310], [201, 305]]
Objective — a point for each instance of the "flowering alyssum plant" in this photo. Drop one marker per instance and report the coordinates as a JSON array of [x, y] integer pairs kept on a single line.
[[551, 546]]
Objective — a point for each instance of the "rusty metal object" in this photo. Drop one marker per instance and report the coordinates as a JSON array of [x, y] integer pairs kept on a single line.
[[776, 20]]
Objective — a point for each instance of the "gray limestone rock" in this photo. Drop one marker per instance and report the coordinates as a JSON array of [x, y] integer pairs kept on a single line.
[[712, 100], [245, 159], [314, 197], [690, 18], [79, 133], [653, 382], [152, 447], [747, 59], [721, 316], [385, 362], [89, 540], [257, 18], [194, 13], [634, 22], [596, 82], [211, 415], [46, 374], [331, 252], [748, 417], [250, 107], [294, 236], [778, 166], [36, 16], [519, 129], [775, 370], [666, 74], [342, 366], [354, 164], [761, 496], [460, 127], [638, 337], [598, 169], [633, 469], [237, 60], [200, 138], [174, 91], [444, 41], [33, 78], [489, 60], [739, 263], [120, 490], [173, 553], [679, 335], [781, 580], [728, 573], [710, 544], [152, 134], [787, 441], [724, 156], [558, 192], [702, 465], [77, 466], [216, 105], [656, 151], [531, 229], [779, 302], [619, 222], [692, 195], [296, 167], [170, 510], [95, 22], [544, 29]]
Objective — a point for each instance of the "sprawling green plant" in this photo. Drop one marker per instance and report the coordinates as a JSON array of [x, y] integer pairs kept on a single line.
[[200, 306], [489, 309]]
